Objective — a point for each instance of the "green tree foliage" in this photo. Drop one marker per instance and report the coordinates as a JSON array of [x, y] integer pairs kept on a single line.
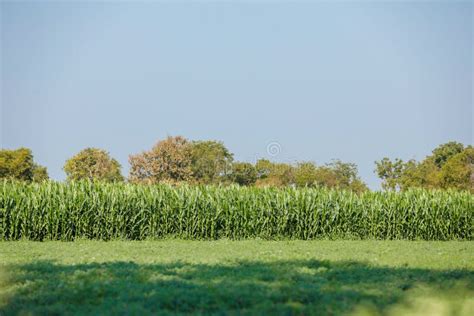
[[16, 164], [19, 164], [243, 173], [40, 173], [449, 167], [176, 159], [263, 168], [211, 161], [306, 174], [390, 172], [169, 160], [274, 174], [347, 177], [458, 171], [336, 174], [93, 164], [423, 174], [401, 175], [443, 152], [358, 186]]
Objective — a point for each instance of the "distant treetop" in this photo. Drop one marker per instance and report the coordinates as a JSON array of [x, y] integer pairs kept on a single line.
[[18, 164], [93, 164]]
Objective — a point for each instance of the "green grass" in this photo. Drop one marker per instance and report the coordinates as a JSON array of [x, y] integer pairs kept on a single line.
[[237, 277]]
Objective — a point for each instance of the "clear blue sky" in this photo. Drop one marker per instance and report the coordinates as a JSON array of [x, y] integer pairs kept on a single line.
[[350, 80]]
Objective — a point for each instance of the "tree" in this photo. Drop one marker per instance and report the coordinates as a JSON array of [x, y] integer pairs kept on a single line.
[[305, 174], [19, 164], [345, 172], [326, 177], [263, 168], [449, 166], [40, 173], [400, 175], [390, 172], [16, 164], [337, 174], [168, 161], [211, 161], [358, 186], [347, 176], [243, 173], [423, 174], [93, 164], [458, 171], [274, 174], [443, 152]]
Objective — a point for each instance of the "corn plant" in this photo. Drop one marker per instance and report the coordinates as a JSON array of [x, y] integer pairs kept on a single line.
[[104, 211]]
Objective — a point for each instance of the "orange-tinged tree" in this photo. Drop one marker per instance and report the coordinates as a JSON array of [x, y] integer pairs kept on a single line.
[[168, 161]]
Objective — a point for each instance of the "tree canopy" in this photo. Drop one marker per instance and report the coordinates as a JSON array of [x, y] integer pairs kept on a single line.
[[168, 161], [243, 173], [450, 166], [211, 161], [336, 174], [93, 164], [19, 164], [177, 159]]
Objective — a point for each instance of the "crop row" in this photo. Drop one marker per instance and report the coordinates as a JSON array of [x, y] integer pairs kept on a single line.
[[66, 211]]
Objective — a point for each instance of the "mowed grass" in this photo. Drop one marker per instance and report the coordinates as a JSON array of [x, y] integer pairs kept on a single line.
[[237, 277]]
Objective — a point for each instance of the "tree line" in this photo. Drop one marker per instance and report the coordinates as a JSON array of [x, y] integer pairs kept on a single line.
[[176, 160], [450, 166]]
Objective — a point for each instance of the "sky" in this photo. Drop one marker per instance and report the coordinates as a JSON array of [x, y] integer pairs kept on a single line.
[[287, 81]]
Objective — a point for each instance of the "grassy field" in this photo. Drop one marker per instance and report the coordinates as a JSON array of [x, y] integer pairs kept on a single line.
[[237, 277]]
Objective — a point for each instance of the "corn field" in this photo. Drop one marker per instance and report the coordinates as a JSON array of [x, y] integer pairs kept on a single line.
[[66, 211]]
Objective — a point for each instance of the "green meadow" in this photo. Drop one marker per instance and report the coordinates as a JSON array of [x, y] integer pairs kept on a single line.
[[224, 277]]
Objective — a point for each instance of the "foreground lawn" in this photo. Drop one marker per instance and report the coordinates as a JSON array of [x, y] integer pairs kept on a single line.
[[237, 277]]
